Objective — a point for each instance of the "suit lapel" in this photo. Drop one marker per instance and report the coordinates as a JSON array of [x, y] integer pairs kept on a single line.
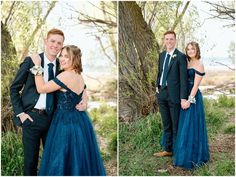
[[57, 66], [172, 59], [57, 63], [42, 57], [163, 55]]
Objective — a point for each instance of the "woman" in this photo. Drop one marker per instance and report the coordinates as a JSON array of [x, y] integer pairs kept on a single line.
[[71, 148], [191, 147]]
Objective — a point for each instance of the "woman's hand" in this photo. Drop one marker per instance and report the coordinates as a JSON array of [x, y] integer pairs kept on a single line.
[[36, 59]]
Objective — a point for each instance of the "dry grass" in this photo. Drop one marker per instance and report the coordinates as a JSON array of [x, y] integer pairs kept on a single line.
[[218, 77]]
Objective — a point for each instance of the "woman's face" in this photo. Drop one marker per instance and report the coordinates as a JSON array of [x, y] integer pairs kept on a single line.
[[65, 60], [191, 51]]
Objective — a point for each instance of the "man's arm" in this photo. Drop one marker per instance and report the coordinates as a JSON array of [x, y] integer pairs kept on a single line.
[[183, 79], [17, 85], [158, 74]]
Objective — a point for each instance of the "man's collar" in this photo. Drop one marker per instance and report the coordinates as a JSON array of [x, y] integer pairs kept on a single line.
[[47, 61], [171, 52]]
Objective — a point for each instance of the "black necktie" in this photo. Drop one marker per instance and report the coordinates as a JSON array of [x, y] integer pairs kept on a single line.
[[49, 97], [163, 84]]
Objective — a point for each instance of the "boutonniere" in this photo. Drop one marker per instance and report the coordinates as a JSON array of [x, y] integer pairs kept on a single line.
[[173, 56]]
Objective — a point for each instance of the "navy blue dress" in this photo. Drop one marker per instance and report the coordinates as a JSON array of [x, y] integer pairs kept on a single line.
[[71, 148], [191, 146]]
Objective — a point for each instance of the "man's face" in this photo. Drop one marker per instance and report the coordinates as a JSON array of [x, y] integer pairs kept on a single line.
[[53, 44], [169, 41]]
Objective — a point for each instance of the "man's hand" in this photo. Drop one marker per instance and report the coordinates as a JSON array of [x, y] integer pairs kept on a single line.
[[82, 106], [25, 116], [184, 104], [157, 91], [187, 104]]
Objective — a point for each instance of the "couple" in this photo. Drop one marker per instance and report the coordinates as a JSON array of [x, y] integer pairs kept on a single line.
[[57, 118], [184, 128]]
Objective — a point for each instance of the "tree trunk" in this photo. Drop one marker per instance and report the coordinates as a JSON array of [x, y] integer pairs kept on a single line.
[[8, 55], [138, 53]]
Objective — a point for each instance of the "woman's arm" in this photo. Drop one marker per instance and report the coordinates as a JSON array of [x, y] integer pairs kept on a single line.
[[197, 80], [41, 85]]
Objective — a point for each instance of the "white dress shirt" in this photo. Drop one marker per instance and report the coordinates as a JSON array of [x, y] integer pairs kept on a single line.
[[170, 53], [41, 103]]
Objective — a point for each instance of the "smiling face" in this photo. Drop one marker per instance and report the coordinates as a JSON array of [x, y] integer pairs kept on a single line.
[[191, 51], [53, 45], [169, 41], [65, 60]]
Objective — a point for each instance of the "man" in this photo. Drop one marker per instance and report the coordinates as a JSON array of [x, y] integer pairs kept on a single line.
[[171, 89], [34, 111]]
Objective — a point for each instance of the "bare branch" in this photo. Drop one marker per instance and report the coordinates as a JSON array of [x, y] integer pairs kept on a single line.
[[233, 69], [222, 11], [110, 23], [10, 12], [102, 9], [179, 18], [104, 50]]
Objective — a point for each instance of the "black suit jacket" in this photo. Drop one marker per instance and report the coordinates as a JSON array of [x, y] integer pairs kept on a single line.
[[23, 92], [176, 76]]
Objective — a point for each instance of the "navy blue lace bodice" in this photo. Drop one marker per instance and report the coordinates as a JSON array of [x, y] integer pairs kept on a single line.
[[67, 100]]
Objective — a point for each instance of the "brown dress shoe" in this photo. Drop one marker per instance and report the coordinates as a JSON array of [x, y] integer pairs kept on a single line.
[[163, 154]]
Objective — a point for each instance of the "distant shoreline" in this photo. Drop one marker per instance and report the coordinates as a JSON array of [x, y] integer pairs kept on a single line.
[[219, 68]]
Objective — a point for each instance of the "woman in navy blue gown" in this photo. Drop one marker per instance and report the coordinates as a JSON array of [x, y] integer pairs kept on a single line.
[[191, 147], [71, 148]]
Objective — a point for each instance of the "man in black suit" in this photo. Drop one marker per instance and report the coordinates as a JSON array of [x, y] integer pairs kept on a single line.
[[171, 89], [33, 111]]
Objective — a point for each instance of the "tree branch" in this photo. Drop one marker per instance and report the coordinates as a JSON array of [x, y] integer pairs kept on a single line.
[[233, 69], [104, 50], [10, 12]]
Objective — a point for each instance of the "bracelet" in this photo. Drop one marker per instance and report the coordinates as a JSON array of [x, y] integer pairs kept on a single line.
[[36, 70], [191, 99]]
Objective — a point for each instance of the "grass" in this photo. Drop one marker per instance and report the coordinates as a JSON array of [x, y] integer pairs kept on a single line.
[[11, 155], [140, 139], [218, 77], [137, 144]]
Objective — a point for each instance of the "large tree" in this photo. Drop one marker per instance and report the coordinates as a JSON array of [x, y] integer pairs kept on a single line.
[[137, 60], [140, 43]]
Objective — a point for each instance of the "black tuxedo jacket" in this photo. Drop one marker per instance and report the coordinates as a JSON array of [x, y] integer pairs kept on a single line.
[[23, 92], [176, 76]]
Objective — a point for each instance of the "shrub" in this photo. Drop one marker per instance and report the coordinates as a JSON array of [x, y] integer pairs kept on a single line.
[[225, 101], [230, 128]]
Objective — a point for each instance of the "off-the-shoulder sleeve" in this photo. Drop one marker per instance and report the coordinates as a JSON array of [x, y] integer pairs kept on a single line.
[[199, 73], [60, 83]]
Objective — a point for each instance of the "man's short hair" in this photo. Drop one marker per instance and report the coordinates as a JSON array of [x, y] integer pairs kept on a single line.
[[55, 31], [170, 32]]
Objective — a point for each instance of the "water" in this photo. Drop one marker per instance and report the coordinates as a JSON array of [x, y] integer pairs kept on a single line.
[[97, 104], [218, 63]]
